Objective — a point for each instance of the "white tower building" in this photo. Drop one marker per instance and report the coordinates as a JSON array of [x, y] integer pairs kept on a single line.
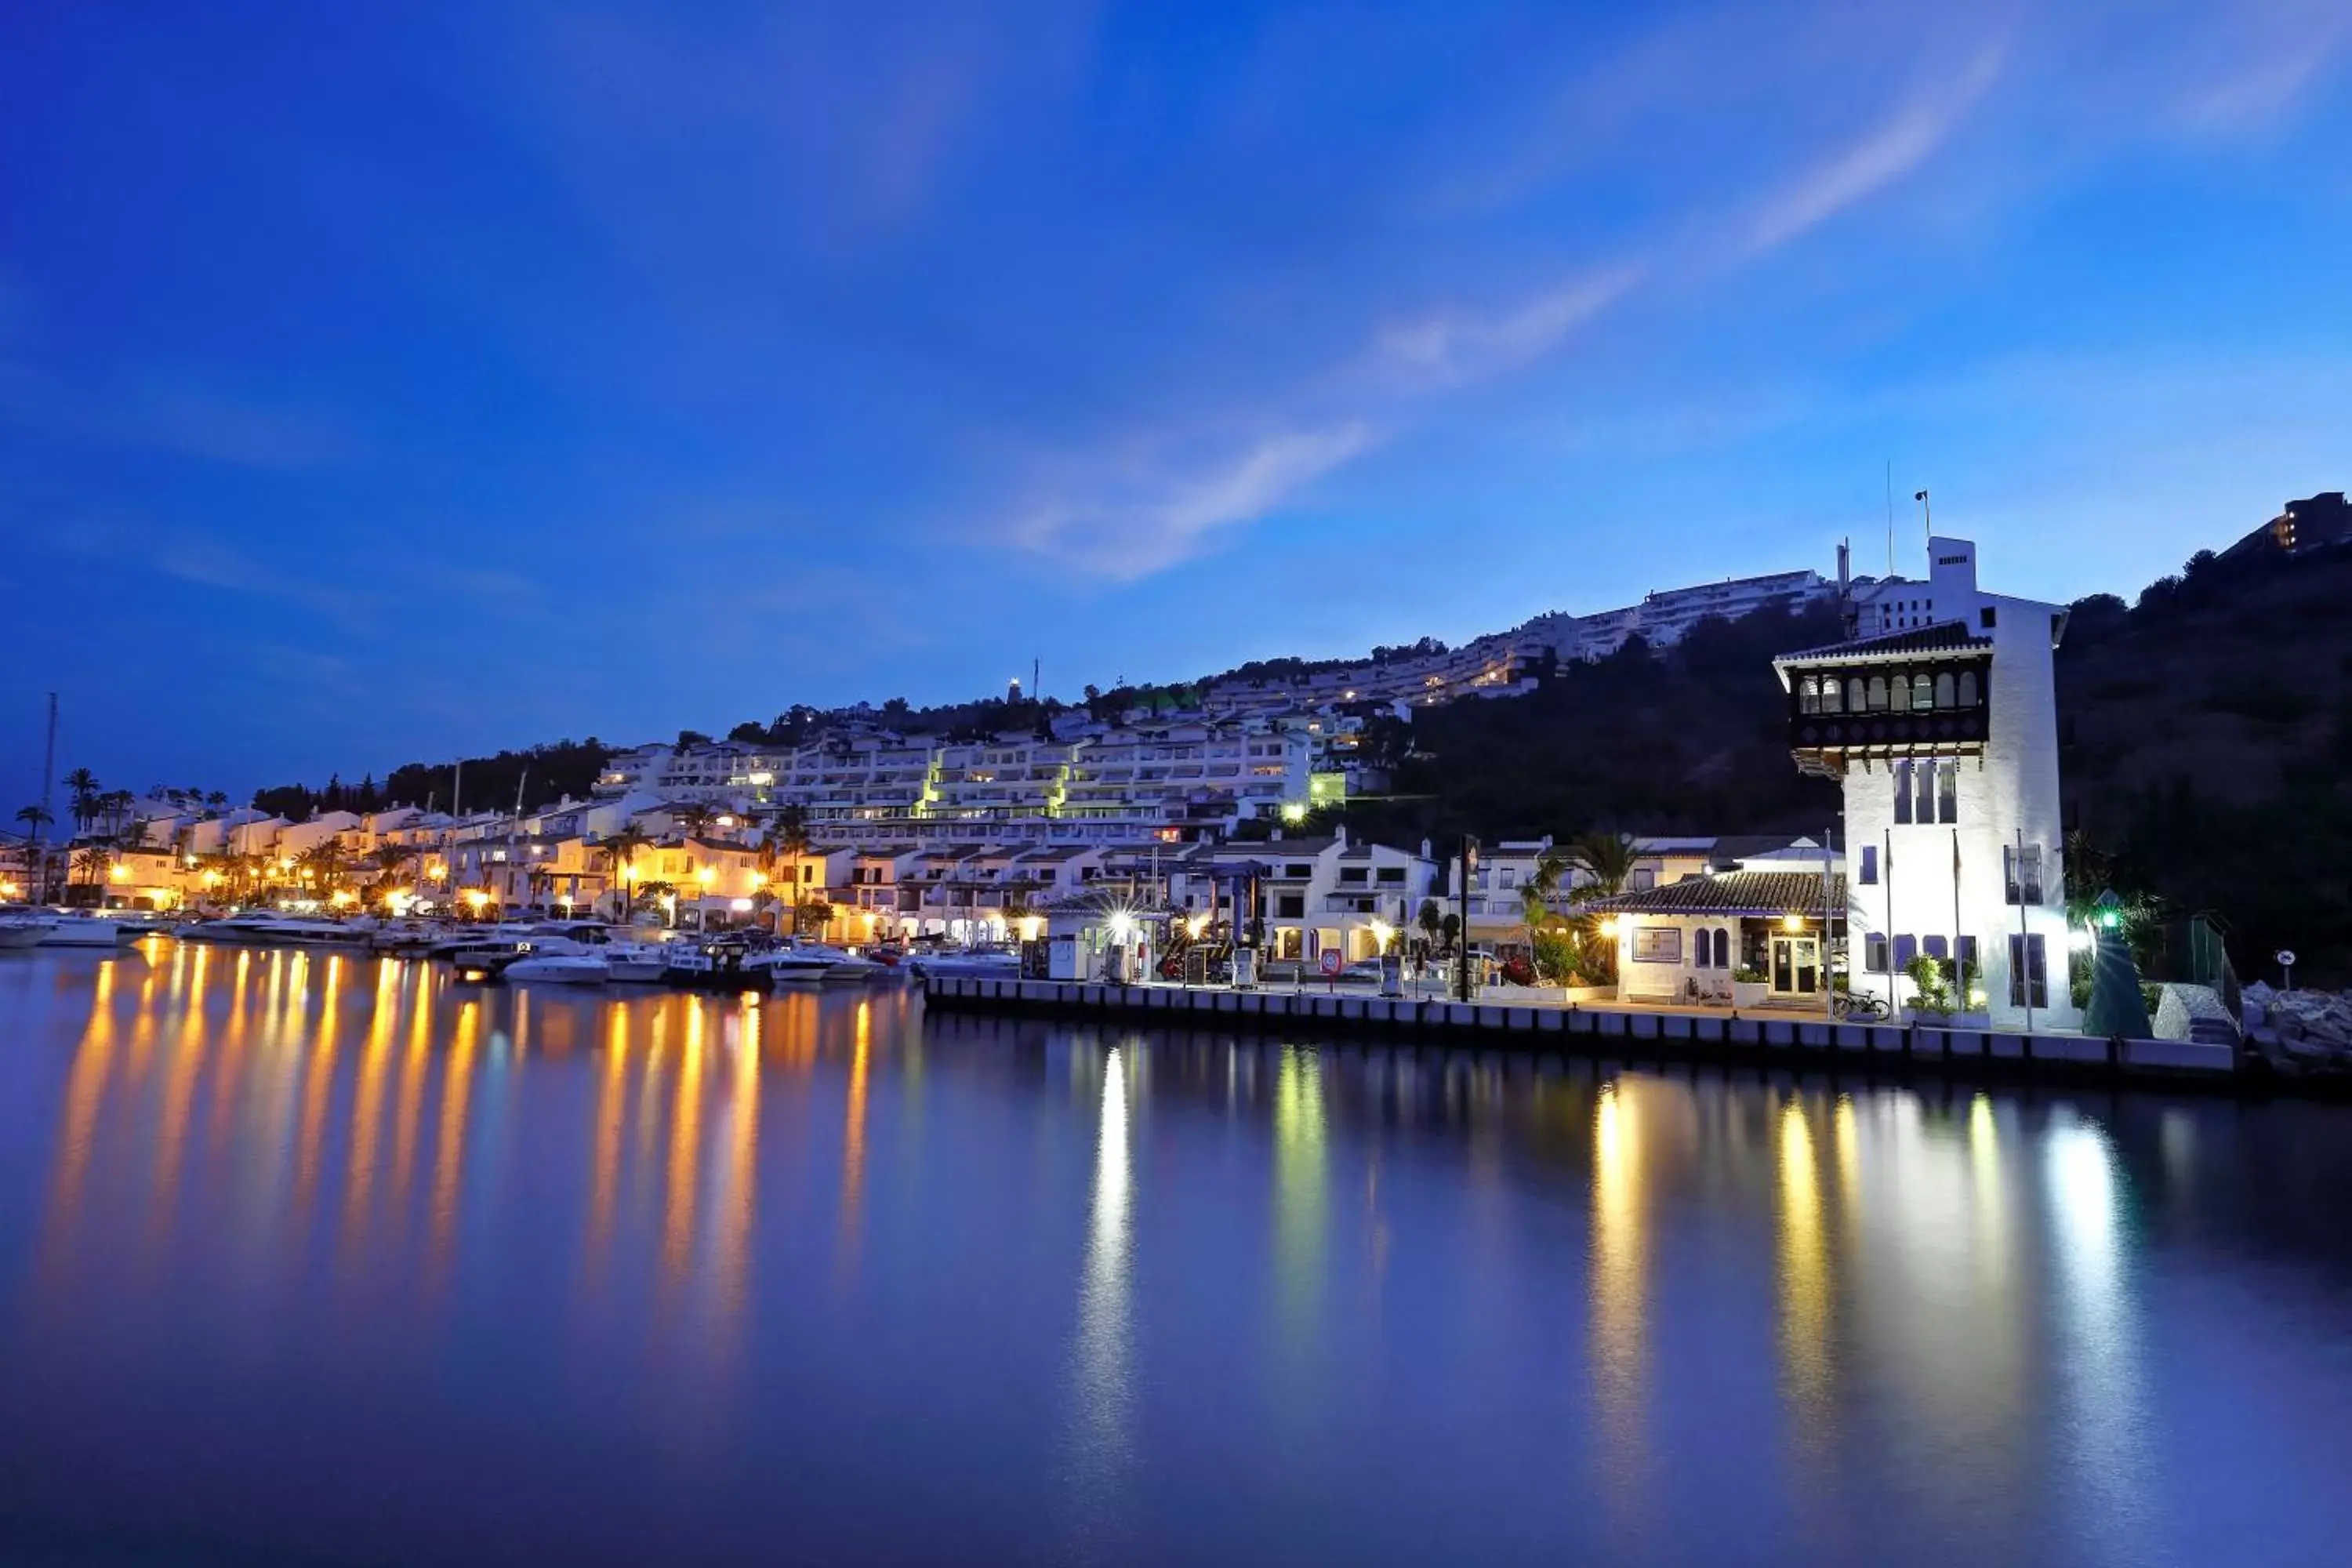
[[1945, 733]]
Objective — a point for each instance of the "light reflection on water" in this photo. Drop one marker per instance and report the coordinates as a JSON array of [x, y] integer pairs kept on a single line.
[[283, 1235]]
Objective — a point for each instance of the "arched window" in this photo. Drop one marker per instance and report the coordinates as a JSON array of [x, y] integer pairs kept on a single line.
[[1853, 703], [1808, 696], [1878, 694], [1922, 696], [1967, 689], [1898, 694], [1944, 689], [1722, 948], [1830, 695]]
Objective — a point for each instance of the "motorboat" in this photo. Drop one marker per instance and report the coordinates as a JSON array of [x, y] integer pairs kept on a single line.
[[725, 964], [815, 962], [261, 928], [16, 933], [974, 963], [636, 962], [561, 968], [532, 936], [82, 930]]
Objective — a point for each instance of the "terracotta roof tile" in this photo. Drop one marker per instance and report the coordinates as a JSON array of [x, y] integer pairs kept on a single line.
[[1735, 893]]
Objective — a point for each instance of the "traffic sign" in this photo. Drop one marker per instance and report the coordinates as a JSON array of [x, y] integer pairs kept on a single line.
[[1332, 961]]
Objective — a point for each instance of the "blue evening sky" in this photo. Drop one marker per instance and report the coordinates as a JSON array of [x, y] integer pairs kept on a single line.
[[381, 383]]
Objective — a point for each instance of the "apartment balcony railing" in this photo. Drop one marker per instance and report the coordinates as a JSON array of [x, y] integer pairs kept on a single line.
[[1359, 904]]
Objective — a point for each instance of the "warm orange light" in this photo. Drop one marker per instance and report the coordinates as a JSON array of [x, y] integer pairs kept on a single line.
[[475, 898], [1793, 922], [707, 875], [210, 879], [117, 873]]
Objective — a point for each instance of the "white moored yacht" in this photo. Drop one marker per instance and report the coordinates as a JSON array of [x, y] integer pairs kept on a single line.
[[814, 961], [978, 962], [18, 931], [562, 968], [79, 928]]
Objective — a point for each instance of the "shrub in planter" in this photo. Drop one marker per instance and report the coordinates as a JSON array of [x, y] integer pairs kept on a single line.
[[1931, 992]]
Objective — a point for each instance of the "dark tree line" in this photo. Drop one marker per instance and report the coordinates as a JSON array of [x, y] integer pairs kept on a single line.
[[545, 775]]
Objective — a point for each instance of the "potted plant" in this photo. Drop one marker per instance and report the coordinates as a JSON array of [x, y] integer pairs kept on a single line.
[[1970, 1009], [1931, 992], [1747, 988]]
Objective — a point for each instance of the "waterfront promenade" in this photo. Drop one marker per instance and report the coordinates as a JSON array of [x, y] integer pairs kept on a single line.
[[1527, 1021]]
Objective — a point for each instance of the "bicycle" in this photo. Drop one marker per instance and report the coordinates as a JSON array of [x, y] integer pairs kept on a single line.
[[1860, 1007]]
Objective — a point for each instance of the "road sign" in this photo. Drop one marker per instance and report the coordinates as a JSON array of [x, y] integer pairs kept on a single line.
[[2286, 958], [1332, 961]]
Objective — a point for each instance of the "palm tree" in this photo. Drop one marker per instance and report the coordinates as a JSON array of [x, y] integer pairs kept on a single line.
[[114, 805], [324, 862], [390, 858], [90, 864], [36, 859], [81, 784], [787, 842], [619, 852], [695, 819], [217, 800], [1605, 860]]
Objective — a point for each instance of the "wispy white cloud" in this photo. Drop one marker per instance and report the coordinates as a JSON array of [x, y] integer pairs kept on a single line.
[[1888, 151], [2273, 55], [1454, 347], [1142, 515]]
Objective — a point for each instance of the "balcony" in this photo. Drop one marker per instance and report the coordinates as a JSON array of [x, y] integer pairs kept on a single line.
[[1909, 702], [1352, 903]]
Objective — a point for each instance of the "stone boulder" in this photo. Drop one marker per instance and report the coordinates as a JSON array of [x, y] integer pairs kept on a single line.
[[2194, 1012]]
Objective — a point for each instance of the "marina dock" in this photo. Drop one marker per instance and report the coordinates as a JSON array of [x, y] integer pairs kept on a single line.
[[1585, 1029]]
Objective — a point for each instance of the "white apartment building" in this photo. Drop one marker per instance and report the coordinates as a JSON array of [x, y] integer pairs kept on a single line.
[[1664, 618], [1192, 774], [999, 779], [1314, 895], [1939, 716]]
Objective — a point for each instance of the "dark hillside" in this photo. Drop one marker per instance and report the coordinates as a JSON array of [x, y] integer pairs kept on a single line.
[[1693, 739], [2206, 737]]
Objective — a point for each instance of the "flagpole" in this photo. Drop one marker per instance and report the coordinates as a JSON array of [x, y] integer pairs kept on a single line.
[[1828, 991], [2024, 939], [1894, 988], [1960, 969]]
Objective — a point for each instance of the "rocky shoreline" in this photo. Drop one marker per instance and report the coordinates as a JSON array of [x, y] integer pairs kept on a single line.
[[2300, 1033]]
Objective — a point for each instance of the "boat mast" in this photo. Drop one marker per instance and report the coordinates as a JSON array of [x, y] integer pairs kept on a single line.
[[49, 787]]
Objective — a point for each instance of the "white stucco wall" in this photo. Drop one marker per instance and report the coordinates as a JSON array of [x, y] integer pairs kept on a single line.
[[2008, 796]]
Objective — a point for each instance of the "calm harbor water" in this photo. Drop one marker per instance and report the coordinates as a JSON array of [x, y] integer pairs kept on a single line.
[[316, 1259]]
